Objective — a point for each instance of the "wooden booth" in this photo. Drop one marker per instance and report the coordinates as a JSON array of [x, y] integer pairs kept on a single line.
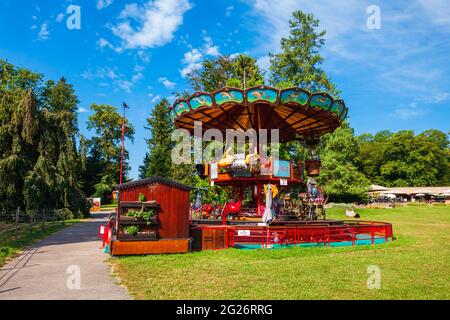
[[152, 217]]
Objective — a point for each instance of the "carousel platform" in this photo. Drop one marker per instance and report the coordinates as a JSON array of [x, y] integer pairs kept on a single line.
[[332, 233], [256, 222]]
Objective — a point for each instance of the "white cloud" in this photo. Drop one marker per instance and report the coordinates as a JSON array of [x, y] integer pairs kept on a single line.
[[145, 58], [59, 17], [334, 17], [156, 99], [138, 68], [406, 113], [104, 43], [82, 110], [419, 106], [167, 83], [154, 23], [210, 49], [125, 85], [263, 62], [43, 32], [137, 76], [192, 59], [401, 58], [437, 10], [101, 4], [109, 75], [229, 10]]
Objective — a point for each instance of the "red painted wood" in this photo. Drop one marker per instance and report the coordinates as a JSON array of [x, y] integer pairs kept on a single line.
[[174, 207]]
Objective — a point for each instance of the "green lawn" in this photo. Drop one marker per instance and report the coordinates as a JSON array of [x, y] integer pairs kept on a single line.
[[9, 247], [108, 207], [415, 266]]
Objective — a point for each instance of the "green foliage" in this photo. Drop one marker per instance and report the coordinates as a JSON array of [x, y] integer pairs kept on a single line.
[[339, 175], [141, 197], [404, 159], [40, 165], [229, 71], [131, 230], [104, 188], [298, 63], [104, 147], [215, 194], [146, 215], [158, 159]]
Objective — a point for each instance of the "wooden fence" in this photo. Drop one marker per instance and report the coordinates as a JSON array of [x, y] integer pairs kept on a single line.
[[14, 225]]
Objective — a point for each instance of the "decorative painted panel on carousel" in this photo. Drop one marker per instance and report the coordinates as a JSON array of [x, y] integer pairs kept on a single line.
[[202, 100], [262, 94], [224, 97], [321, 101], [294, 95]]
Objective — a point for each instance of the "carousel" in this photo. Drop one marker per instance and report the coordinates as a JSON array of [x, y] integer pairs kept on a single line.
[[269, 201]]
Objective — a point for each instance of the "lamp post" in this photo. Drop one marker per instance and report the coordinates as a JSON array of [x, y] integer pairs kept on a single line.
[[124, 106]]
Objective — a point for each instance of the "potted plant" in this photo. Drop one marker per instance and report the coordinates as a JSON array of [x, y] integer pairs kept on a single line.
[[141, 197], [145, 215], [131, 230]]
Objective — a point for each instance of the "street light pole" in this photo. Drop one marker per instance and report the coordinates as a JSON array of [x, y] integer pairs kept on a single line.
[[124, 106]]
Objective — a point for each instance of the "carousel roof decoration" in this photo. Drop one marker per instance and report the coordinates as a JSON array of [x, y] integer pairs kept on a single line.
[[298, 113]]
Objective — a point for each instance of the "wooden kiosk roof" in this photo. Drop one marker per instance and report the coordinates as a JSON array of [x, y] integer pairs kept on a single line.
[[297, 113]]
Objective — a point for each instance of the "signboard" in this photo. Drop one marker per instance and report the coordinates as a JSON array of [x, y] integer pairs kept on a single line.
[[214, 170], [244, 233], [96, 204], [282, 168], [283, 182]]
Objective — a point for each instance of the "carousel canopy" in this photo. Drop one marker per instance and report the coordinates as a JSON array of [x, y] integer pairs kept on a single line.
[[297, 113]]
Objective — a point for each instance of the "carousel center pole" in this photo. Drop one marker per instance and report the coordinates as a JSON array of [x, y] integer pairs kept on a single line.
[[256, 127]]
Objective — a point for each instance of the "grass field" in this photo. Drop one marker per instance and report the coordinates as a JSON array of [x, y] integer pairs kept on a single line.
[[415, 266], [9, 248], [108, 207]]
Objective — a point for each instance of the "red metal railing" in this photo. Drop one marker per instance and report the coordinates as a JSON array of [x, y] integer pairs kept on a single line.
[[321, 233]]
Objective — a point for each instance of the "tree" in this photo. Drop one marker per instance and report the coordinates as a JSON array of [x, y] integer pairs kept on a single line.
[[39, 160], [158, 158], [298, 63], [224, 71], [339, 175], [246, 73], [404, 159], [105, 146]]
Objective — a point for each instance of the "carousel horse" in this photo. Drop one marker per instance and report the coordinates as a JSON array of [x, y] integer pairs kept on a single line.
[[252, 161], [269, 212], [227, 159], [251, 158], [273, 188]]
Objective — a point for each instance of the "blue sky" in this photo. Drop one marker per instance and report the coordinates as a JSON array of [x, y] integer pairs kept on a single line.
[[395, 77]]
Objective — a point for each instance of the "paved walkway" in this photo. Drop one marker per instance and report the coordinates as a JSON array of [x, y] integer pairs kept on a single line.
[[48, 269]]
